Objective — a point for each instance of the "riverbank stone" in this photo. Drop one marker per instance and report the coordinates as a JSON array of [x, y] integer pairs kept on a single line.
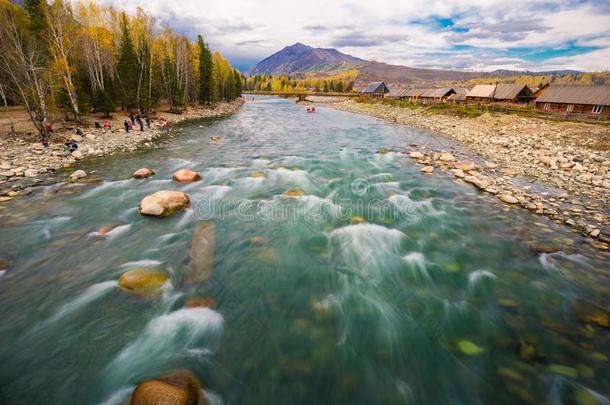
[[508, 199], [179, 388], [143, 282], [164, 203], [143, 173], [78, 174], [186, 176]]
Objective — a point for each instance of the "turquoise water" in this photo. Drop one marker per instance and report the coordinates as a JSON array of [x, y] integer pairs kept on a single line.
[[435, 298]]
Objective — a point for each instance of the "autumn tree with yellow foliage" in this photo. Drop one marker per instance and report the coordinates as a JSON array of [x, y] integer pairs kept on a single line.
[[75, 58]]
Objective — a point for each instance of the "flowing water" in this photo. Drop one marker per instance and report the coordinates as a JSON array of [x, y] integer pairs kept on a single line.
[[379, 285]]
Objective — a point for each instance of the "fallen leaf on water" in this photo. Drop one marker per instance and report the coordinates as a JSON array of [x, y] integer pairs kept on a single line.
[[563, 370], [470, 348], [600, 319]]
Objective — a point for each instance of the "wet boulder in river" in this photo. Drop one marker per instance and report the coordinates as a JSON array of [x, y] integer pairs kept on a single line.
[[163, 203], [143, 282], [143, 173], [202, 252], [180, 388], [186, 176]]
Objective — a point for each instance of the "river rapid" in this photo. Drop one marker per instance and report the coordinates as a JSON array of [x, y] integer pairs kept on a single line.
[[373, 283]]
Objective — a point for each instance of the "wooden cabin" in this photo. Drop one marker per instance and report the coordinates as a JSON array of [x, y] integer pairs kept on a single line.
[[436, 95], [459, 97], [375, 89], [414, 94], [398, 93], [570, 99], [500, 93]]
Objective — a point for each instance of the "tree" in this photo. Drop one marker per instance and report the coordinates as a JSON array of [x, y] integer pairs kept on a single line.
[[22, 58], [339, 87], [127, 67], [325, 88], [61, 29], [206, 72], [237, 79]]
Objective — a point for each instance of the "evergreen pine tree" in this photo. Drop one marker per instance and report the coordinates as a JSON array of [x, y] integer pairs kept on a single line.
[[206, 74], [127, 67], [238, 83], [339, 87]]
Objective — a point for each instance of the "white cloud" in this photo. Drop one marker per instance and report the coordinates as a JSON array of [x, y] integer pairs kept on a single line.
[[396, 31]]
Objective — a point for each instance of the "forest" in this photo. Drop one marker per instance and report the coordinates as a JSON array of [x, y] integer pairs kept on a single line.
[[74, 58], [286, 84]]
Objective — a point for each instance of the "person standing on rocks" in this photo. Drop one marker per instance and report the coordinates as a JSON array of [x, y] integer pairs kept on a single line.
[[126, 124], [141, 123], [132, 118], [147, 122]]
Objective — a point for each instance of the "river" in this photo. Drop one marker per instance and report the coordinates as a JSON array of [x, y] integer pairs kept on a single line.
[[379, 285]]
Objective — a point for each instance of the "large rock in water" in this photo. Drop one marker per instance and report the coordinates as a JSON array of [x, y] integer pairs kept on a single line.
[[163, 203], [180, 388], [143, 173], [186, 176], [202, 253], [143, 282]]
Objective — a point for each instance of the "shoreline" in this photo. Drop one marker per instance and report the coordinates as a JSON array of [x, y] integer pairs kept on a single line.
[[517, 162], [25, 166]]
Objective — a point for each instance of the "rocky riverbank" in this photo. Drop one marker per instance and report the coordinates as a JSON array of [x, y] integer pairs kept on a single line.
[[557, 169], [25, 165]]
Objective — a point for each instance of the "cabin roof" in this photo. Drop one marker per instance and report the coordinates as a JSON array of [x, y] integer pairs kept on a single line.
[[375, 87], [437, 93], [573, 94], [500, 91]]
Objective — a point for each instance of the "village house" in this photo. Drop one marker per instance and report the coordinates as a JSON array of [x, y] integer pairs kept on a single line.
[[398, 93], [571, 99], [436, 95], [375, 89], [500, 93], [459, 97], [414, 94]]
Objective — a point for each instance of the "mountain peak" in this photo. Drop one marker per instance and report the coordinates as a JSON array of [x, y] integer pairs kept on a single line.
[[300, 58]]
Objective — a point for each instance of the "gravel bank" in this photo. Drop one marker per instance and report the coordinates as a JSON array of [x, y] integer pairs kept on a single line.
[[557, 169], [25, 165]]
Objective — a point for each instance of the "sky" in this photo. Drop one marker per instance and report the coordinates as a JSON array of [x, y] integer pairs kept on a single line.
[[481, 35]]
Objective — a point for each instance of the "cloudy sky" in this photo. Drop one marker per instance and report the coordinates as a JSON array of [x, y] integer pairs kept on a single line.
[[471, 35]]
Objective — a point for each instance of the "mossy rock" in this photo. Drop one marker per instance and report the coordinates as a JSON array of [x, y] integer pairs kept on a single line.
[[143, 282]]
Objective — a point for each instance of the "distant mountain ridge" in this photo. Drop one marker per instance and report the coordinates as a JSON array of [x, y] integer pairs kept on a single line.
[[300, 58]]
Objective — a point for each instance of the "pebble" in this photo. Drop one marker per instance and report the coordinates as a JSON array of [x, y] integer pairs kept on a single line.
[[509, 199], [427, 169]]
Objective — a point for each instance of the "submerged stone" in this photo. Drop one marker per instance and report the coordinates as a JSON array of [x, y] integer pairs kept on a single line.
[[356, 219], [293, 193], [143, 282], [108, 228], [201, 303], [202, 252], [180, 388]]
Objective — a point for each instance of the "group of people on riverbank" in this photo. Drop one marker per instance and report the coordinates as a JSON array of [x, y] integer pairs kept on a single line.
[[143, 121]]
